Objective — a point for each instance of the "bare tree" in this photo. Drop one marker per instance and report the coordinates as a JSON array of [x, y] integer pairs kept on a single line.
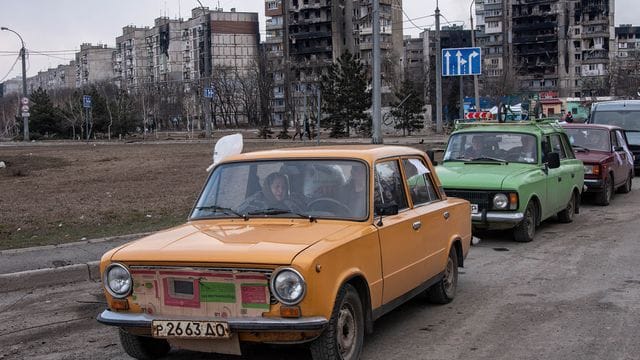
[[8, 115]]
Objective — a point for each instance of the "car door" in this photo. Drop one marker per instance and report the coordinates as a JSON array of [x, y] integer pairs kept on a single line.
[[432, 211], [628, 155], [555, 197], [400, 245]]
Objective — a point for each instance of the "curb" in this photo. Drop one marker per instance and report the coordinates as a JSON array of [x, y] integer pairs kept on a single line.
[[32, 279], [77, 243]]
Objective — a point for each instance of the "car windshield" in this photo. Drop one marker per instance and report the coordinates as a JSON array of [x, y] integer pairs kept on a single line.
[[492, 146], [310, 188], [592, 139], [627, 119]]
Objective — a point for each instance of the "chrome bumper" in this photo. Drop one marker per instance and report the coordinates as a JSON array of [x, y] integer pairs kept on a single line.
[[140, 320], [591, 184], [497, 217]]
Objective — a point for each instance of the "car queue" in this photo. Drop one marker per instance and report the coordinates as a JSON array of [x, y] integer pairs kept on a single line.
[[312, 245]]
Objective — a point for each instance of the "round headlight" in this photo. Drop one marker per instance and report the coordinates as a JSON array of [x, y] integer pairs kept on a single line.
[[500, 201], [288, 286], [117, 280]]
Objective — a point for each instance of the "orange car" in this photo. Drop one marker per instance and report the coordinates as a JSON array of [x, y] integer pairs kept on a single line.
[[289, 246]]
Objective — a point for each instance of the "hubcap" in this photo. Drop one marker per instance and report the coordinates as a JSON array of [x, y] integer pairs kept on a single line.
[[531, 225], [570, 207], [346, 332], [609, 189], [448, 276]]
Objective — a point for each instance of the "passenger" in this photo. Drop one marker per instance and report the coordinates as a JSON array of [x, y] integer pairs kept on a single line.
[[355, 192]]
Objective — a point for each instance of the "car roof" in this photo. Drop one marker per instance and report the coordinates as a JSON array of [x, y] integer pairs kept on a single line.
[[541, 126], [592, 126], [369, 153], [617, 105]]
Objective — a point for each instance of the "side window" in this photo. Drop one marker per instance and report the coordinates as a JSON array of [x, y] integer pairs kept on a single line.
[[621, 140], [389, 189], [546, 147], [420, 185], [614, 140], [556, 146]]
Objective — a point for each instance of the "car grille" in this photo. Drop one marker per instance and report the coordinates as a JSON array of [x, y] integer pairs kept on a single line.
[[481, 198]]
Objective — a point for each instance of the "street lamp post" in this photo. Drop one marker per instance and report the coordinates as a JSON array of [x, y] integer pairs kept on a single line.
[[25, 119], [476, 89], [207, 65]]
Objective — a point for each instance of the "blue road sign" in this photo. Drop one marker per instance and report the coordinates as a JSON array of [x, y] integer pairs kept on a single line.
[[86, 101], [208, 92], [461, 61]]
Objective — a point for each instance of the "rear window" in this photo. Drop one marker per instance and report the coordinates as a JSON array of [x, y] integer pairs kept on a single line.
[[626, 119]]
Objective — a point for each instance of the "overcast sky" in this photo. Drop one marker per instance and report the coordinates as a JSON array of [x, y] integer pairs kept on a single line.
[[59, 27]]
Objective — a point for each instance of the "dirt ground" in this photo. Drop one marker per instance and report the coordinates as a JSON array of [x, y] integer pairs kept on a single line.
[[52, 193]]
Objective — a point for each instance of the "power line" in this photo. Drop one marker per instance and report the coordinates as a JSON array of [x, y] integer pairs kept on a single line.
[[10, 70]]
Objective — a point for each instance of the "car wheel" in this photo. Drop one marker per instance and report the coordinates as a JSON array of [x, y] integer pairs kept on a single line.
[[444, 290], [526, 229], [626, 188], [142, 347], [566, 215], [344, 336], [604, 197]]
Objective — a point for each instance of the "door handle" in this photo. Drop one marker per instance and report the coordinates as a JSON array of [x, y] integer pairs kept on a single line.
[[417, 225], [559, 179], [573, 176], [446, 215]]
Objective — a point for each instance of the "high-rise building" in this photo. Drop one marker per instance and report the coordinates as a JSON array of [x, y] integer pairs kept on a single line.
[[94, 63], [559, 46]]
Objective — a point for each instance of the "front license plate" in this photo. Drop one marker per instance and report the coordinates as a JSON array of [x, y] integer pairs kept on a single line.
[[190, 329], [474, 208]]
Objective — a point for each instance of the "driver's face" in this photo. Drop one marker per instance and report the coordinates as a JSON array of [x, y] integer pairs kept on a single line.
[[278, 188]]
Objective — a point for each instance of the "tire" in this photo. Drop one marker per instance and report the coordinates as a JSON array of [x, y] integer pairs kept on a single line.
[[444, 291], [566, 215], [142, 347], [344, 336], [626, 188], [603, 198], [526, 229]]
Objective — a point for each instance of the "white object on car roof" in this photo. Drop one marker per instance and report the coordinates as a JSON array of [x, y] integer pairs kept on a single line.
[[226, 146]]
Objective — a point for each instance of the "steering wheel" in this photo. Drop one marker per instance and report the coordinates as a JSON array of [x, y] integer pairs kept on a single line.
[[330, 205]]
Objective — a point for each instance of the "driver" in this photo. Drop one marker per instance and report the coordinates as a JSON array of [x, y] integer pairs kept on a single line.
[[475, 150], [274, 196]]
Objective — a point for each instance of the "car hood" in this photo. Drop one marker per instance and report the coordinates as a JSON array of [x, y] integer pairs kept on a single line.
[[592, 156], [479, 176], [246, 242]]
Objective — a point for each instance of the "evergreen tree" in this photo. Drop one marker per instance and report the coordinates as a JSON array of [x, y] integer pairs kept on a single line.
[[408, 109], [45, 119], [345, 98]]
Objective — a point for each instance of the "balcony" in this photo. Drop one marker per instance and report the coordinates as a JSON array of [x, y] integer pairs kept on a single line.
[[310, 35], [311, 49], [534, 38], [273, 26], [273, 40], [534, 26], [310, 21], [600, 55]]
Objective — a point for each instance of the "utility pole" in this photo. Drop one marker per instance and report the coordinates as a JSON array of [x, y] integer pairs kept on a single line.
[[476, 89], [461, 112], [438, 73], [23, 55], [376, 92]]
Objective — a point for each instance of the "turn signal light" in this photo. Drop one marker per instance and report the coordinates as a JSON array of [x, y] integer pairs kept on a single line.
[[290, 311], [513, 201], [596, 170], [119, 304]]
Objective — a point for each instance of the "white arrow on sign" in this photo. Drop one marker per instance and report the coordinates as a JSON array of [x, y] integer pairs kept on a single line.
[[461, 62], [471, 56], [447, 55]]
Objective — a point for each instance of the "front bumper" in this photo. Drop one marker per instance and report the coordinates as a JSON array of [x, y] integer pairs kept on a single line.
[[256, 324], [594, 185], [488, 217]]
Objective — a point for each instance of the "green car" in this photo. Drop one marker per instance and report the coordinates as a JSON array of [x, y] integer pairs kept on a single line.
[[515, 174]]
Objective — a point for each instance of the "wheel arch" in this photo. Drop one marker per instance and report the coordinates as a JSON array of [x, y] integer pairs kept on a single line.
[[538, 206], [359, 282]]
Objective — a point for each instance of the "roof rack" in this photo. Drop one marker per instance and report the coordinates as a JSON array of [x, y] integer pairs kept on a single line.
[[535, 122]]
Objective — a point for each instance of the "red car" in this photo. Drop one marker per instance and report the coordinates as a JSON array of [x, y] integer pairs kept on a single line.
[[608, 162]]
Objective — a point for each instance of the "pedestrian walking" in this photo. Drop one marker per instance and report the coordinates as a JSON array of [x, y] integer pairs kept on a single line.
[[298, 131]]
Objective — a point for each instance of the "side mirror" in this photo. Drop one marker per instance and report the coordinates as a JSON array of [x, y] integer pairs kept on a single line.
[[618, 148], [432, 156], [553, 160], [386, 210]]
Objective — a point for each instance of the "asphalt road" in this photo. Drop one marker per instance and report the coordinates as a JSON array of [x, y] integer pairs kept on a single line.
[[572, 293]]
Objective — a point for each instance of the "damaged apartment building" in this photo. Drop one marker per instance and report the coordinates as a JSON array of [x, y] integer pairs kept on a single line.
[[304, 37], [562, 46]]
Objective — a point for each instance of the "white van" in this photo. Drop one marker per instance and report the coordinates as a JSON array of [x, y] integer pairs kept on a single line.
[[622, 113]]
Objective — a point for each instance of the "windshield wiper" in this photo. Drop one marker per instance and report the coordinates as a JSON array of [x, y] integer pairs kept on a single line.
[[487, 158], [224, 210], [578, 147], [274, 211]]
